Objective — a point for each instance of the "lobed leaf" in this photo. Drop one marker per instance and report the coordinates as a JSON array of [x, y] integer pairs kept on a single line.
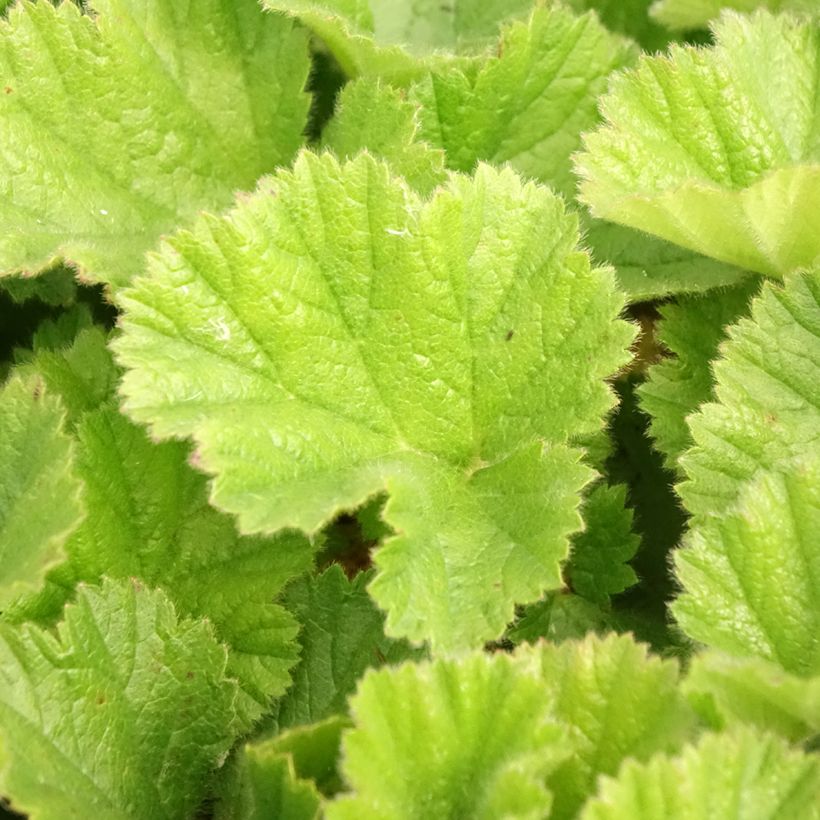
[[767, 386], [122, 713], [692, 329], [336, 336], [39, 489], [751, 576], [619, 703], [718, 149], [745, 775], [120, 127], [466, 738]]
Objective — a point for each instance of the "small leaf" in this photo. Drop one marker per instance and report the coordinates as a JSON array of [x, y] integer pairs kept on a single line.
[[362, 343], [466, 738], [122, 126], [121, 714], [744, 775], [717, 149], [751, 576], [39, 489], [598, 565], [754, 692], [619, 702]]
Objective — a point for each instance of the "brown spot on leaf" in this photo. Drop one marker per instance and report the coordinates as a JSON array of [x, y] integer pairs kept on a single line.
[[510, 334], [8, 89]]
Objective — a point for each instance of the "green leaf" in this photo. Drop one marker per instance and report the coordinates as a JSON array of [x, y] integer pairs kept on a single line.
[[262, 784], [120, 714], [382, 120], [689, 14], [342, 634], [53, 287], [119, 128], [619, 702], [650, 268], [767, 385], [717, 149], [692, 329], [148, 517], [751, 576], [389, 38], [558, 616], [39, 491], [528, 105], [598, 564], [744, 775], [752, 691], [367, 340], [468, 738]]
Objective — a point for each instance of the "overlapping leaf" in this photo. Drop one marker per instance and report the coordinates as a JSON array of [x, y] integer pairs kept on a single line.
[[148, 517], [767, 387], [467, 738], [728, 691], [120, 127], [747, 775], [751, 576], [629, 17], [689, 14], [39, 489], [717, 150], [336, 336], [692, 330], [123, 713], [618, 702]]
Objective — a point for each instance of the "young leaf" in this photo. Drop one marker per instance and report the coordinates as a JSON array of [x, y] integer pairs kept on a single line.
[[619, 702], [123, 713], [366, 340], [689, 14], [598, 564], [342, 635], [39, 491], [528, 105], [718, 149], [731, 690], [388, 38], [767, 386], [118, 128], [751, 576], [467, 738], [744, 775], [692, 329], [262, 785]]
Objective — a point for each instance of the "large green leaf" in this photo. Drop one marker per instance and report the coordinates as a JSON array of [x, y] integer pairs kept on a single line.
[[751, 576], [692, 329], [392, 38], [746, 776], [121, 127], [122, 714], [619, 704], [767, 387], [468, 738], [39, 490], [336, 336], [717, 149], [148, 517], [727, 690], [689, 14]]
